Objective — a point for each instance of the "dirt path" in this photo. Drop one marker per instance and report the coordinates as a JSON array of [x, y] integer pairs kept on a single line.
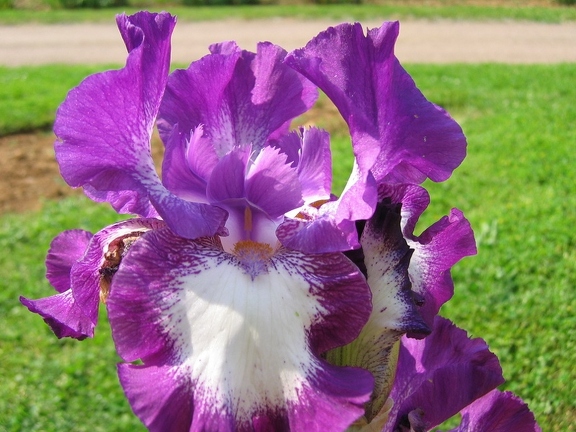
[[29, 172], [420, 41]]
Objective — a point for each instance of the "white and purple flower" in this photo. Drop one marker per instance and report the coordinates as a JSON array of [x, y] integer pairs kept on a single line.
[[244, 296]]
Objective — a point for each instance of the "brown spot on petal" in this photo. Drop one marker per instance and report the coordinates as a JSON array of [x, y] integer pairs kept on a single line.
[[117, 249]]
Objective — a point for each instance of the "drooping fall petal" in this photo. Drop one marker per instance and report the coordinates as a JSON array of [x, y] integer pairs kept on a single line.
[[498, 412], [74, 311], [439, 376], [386, 257], [436, 250], [236, 345]]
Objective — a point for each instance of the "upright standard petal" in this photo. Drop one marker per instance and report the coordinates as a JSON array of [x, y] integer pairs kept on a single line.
[[440, 375], [104, 128], [396, 133], [239, 97], [226, 347], [105, 124]]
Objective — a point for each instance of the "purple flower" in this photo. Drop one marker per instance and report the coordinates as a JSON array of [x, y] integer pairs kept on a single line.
[[447, 373], [244, 295], [80, 267]]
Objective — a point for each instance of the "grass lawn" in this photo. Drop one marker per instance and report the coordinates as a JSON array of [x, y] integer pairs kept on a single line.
[[29, 96], [543, 11], [517, 186]]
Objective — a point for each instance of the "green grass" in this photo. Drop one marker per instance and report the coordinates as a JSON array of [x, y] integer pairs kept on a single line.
[[384, 10], [50, 384], [517, 187], [30, 95]]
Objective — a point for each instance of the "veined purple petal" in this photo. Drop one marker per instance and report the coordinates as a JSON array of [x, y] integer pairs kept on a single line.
[[394, 312], [66, 248], [104, 128], [436, 250], [62, 314], [396, 132], [498, 412], [228, 348], [318, 232], [332, 227], [197, 96], [439, 376], [309, 150], [187, 164], [272, 185], [74, 312], [240, 98], [105, 124]]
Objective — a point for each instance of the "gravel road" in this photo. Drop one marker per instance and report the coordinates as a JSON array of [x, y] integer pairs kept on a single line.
[[420, 41]]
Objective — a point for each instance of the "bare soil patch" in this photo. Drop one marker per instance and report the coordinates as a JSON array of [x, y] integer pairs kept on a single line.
[[30, 174]]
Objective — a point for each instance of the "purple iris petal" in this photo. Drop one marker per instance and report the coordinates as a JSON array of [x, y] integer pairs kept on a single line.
[[240, 98], [332, 227], [105, 124], [440, 375], [60, 311], [197, 97], [309, 150], [386, 258], [62, 314], [315, 165], [74, 312], [233, 340], [436, 250], [188, 161], [396, 132], [498, 412], [314, 230], [397, 135], [104, 128], [318, 232], [66, 316], [67, 248], [272, 185]]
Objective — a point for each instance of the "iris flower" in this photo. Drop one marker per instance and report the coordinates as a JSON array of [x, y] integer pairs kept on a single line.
[[243, 295]]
